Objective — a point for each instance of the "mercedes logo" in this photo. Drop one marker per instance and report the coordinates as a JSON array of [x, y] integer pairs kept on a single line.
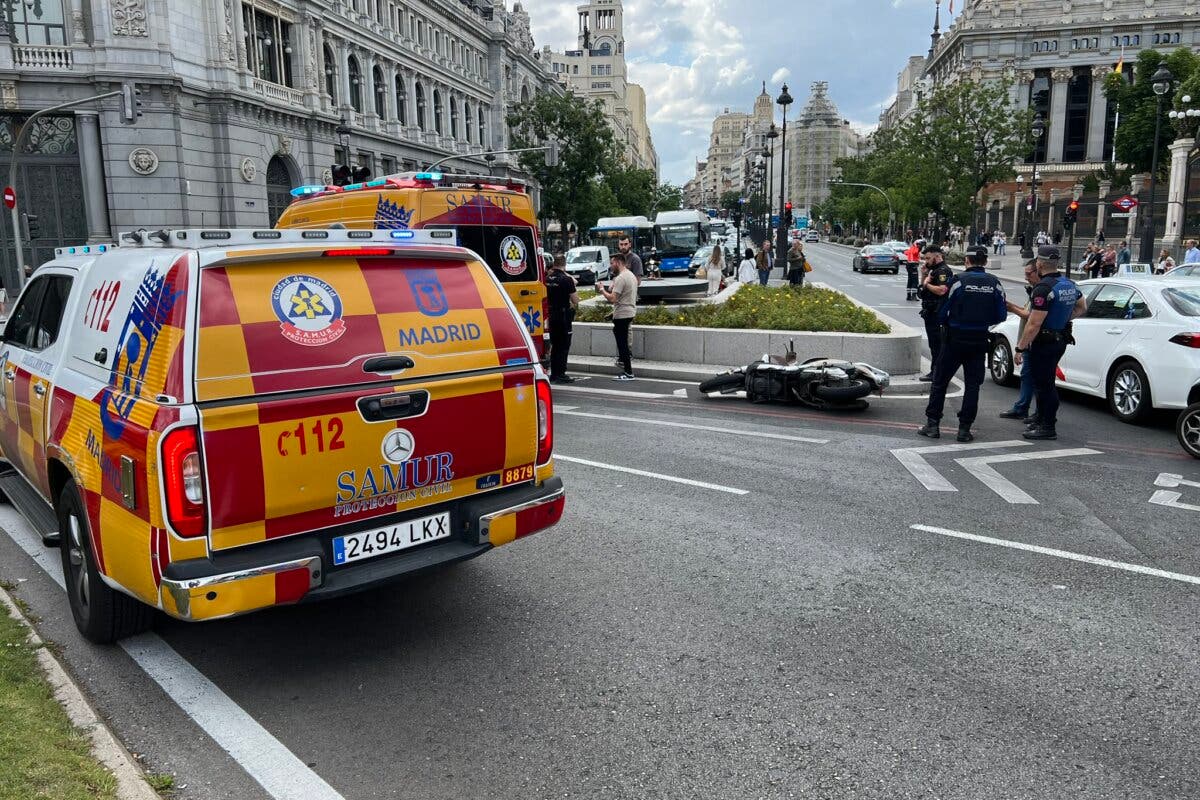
[[398, 446]]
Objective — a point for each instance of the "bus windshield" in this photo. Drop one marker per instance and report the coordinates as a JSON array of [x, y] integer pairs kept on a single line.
[[678, 237]]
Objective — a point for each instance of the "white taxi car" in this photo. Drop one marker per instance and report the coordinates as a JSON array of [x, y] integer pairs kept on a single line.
[[1138, 345]]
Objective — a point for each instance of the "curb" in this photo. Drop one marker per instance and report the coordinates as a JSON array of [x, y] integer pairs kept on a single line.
[[684, 373], [131, 782]]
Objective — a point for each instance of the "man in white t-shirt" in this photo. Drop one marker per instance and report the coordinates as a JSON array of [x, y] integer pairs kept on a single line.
[[622, 293]]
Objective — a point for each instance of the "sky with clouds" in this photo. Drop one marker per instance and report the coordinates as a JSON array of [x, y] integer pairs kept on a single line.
[[695, 57]]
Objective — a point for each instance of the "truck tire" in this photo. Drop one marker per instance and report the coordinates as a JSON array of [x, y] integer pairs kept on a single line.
[[102, 614], [856, 389], [725, 383]]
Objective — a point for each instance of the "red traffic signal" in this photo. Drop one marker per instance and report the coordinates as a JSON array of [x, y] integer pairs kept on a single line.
[[787, 206], [1073, 205]]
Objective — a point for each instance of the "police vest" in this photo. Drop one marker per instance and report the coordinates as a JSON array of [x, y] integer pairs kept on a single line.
[[975, 301], [1063, 296]]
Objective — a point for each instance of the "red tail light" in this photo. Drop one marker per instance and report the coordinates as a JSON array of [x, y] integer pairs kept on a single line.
[[183, 480], [545, 417], [1187, 339], [355, 252]]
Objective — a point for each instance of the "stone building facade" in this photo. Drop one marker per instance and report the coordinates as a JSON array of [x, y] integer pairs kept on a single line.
[[815, 141], [596, 70], [241, 100], [1056, 57]]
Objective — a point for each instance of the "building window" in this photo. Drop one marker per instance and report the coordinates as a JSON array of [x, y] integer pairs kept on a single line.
[[401, 101], [1075, 132], [268, 46], [467, 121], [380, 89], [36, 22], [482, 126], [419, 90], [355, 75], [437, 111], [387, 165], [453, 118], [1137, 39], [330, 73]]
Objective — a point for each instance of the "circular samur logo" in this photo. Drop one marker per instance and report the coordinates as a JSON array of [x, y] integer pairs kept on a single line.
[[398, 446], [512, 255], [309, 310]]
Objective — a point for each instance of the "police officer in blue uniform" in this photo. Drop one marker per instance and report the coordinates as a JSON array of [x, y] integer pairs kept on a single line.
[[1055, 301], [974, 303]]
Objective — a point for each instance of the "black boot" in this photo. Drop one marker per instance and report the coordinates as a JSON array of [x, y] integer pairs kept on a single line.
[[931, 430], [964, 434], [1040, 434]]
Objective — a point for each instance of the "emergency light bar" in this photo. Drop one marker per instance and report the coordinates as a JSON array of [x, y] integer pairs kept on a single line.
[[193, 238], [81, 250]]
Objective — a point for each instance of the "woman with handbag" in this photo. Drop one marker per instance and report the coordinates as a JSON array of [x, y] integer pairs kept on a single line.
[[714, 269], [797, 263]]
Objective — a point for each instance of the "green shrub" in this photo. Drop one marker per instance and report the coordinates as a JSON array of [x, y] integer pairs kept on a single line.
[[764, 308]]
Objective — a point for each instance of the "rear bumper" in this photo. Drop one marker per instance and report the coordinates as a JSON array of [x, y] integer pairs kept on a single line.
[[298, 569]]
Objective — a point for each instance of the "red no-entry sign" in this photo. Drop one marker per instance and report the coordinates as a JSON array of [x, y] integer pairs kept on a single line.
[[10, 197]]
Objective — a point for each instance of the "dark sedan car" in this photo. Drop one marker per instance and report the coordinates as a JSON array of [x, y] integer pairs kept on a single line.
[[877, 258]]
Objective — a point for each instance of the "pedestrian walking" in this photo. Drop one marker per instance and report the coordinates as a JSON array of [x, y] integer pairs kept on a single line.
[[1095, 262], [1108, 263], [912, 261], [763, 262], [748, 269], [633, 261], [974, 303], [715, 269], [1020, 409], [935, 283], [1055, 301], [1123, 254], [797, 264], [562, 299], [1165, 263], [622, 293], [1192, 256], [1100, 237], [1003, 242]]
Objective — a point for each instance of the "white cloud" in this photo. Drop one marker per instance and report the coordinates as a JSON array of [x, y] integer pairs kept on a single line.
[[780, 75]]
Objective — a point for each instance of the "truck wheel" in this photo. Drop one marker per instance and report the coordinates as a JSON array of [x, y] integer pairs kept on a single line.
[[724, 383], [102, 614]]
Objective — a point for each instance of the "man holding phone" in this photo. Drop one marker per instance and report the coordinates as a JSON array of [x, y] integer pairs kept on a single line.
[[622, 293]]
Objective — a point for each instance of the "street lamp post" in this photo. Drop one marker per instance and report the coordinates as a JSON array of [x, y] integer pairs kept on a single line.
[[343, 134], [772, 135], [784, 100], [980, 153], [1038, 129], [1161, 84]]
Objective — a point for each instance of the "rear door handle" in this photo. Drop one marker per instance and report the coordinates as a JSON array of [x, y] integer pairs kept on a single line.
[[39, 389], [393, 406], [527, 292], [383, 364], [1115, 331]]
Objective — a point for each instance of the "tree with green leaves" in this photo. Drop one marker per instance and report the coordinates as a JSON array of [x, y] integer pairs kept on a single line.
[[1138, 105], [667, 197], [731, 200]]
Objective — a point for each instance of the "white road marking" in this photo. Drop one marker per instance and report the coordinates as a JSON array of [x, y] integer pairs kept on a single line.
[[680, 393], [1162, 497], [656, 475], [929, 477], [1050, 551], [1169, 480], [565, 408], [265, 758], [981, 469], [714, 429], [609, 392]]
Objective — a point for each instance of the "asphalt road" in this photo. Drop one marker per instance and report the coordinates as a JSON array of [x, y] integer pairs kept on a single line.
[[750, 614]]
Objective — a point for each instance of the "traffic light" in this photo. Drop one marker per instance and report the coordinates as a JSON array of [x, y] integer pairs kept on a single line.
[[737, 219], [360, 174], [341, 174], [787, 214], [1070, 215], [29, 227], [552, 153], [131, 107]]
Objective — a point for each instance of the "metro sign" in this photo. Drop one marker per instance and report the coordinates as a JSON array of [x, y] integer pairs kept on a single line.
[[1126, 203]]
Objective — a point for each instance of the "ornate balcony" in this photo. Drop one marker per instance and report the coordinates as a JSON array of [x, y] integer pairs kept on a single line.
[[279, 94], [42, 56]]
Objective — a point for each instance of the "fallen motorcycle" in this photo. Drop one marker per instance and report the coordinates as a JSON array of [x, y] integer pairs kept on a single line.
[[822, 383]]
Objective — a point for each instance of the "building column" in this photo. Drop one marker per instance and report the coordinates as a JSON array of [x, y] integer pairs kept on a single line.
[[1050, 213], [1102, 205], [311, 59], [91, 163], [1016, 215], [1097, 113], [1136, 183], [343, 68], [1180, 149], [1019, 91], [1060, 81]]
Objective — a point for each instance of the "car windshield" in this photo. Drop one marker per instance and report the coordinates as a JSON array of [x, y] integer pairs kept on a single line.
[[678, 237], [702, 253], [1185, 301], [583, 257], [878, 250]]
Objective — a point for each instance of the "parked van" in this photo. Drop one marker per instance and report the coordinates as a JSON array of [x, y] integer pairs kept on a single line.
[[220, 421], [493, 217]]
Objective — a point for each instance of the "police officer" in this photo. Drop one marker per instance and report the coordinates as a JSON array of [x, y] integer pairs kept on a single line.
[[1055, 301], [562, 298], [973, 304], [935, 283], [912, 258]]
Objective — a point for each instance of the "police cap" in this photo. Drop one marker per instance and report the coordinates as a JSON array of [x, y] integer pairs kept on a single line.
[[1049, 252], [978, 255]]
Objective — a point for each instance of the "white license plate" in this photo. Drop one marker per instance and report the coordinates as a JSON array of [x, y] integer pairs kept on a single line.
[[401, 536]]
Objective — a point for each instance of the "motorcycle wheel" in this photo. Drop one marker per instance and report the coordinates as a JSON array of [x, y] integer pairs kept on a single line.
[[855, 389], [725, 383]]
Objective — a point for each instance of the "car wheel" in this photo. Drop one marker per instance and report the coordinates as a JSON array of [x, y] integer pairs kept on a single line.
[[1000, 362], [1129, 392], [895, 270], [1187, 428], [102, 614]]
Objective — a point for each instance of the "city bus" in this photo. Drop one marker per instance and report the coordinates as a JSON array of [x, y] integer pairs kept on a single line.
[[610, 230], [677, 236], [493, 216]]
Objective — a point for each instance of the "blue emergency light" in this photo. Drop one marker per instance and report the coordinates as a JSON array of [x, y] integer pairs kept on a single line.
[[377, 182], [305, 191], [429, 176], [403, 234]]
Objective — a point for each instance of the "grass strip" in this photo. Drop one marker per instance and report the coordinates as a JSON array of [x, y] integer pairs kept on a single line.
[[41, 754]]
